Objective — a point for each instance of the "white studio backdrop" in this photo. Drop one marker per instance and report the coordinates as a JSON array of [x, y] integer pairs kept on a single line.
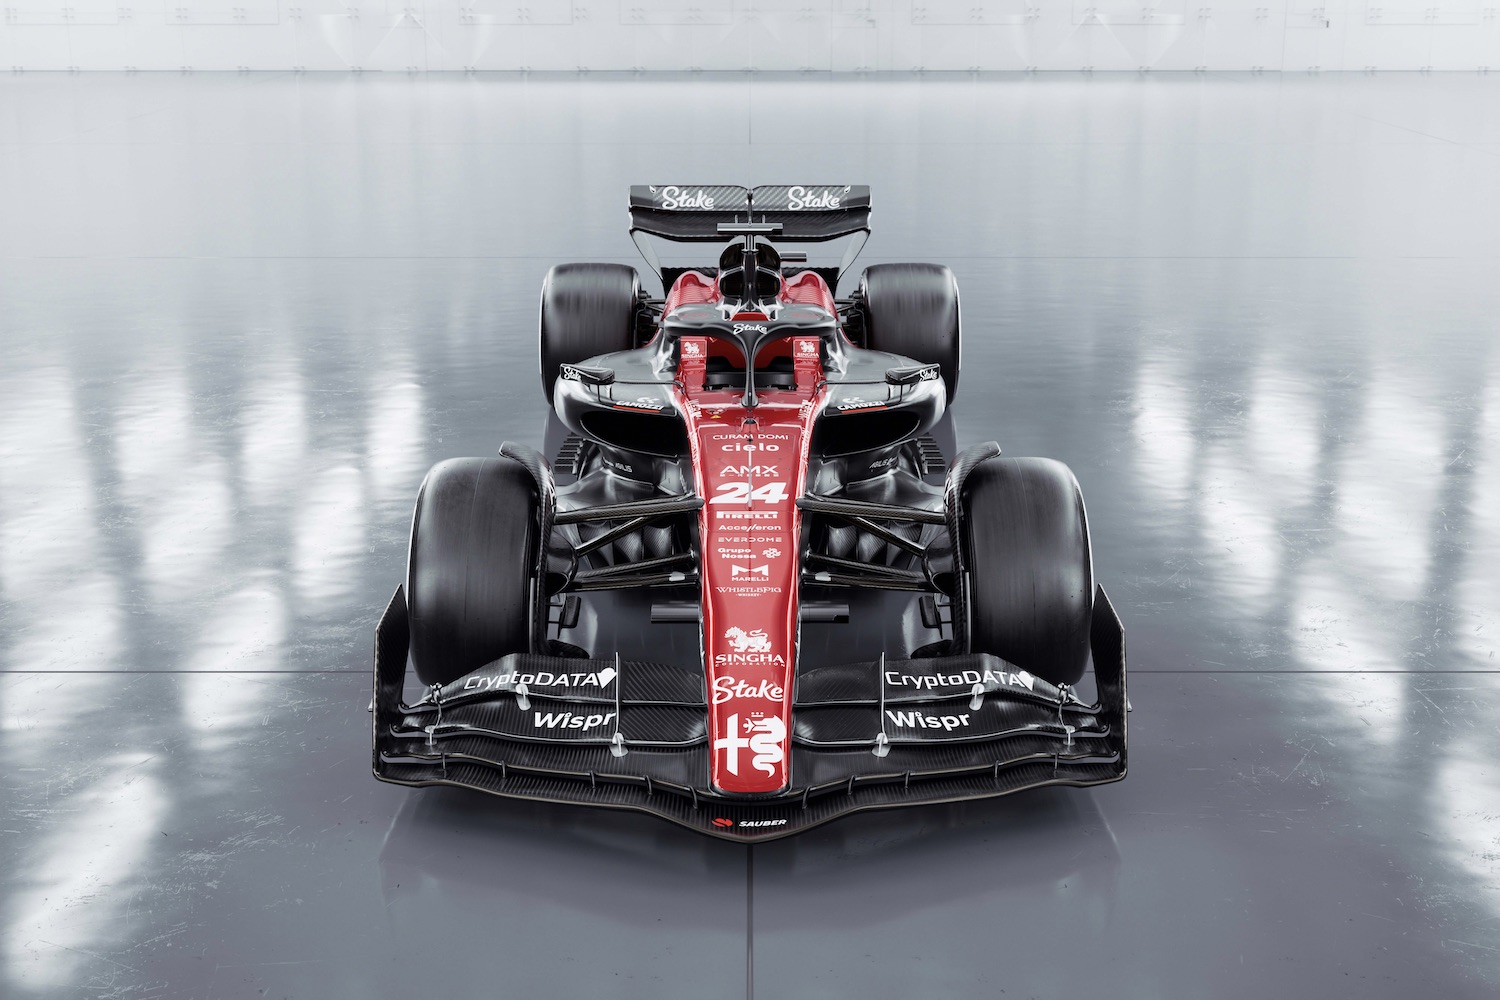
[[767, 35]]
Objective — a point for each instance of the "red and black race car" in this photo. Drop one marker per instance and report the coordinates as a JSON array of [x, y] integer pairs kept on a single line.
[[753, 589]]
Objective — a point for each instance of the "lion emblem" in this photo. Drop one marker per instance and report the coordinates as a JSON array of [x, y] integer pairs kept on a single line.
[[748, 642]]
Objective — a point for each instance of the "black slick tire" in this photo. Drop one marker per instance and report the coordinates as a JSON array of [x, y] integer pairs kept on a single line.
[[469, 569], [912, 310], [1030, 572], [587, 310]]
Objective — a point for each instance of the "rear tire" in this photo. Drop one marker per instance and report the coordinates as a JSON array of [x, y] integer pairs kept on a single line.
[[912, 310], [1030, 571], [469, 570], [587, 310]]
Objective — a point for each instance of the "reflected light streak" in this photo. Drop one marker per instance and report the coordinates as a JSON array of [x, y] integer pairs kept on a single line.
[[1478, 593], [1388, 483], [1332, 628], [185, 531], [69, 901], [73, 627], [1465, 794], [47, 505], [34, 705], [396, 440], [247, 631], [1282, 435], [329, 536], [1239, 529], [1164, 431], [273, 435], [153, 434]]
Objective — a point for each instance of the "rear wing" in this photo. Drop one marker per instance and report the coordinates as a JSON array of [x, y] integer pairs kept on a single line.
[[796, 213]]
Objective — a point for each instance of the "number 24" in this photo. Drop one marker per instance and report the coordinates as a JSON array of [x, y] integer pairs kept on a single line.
[[744, 493]]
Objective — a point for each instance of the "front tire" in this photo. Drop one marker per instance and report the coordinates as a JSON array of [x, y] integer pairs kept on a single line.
[[912, 310], [473, 553], [587, 310], [1030, 572]]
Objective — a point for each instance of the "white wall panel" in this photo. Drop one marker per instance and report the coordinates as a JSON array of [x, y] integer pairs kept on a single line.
[[768, 35]]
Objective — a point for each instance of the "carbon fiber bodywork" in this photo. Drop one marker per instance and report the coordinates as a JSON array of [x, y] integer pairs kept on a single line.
[[633, 735]]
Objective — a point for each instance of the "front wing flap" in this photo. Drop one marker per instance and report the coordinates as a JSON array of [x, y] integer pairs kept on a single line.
[[633, 735]]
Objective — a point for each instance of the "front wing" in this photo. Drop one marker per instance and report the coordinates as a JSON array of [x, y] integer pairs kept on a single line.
[[633, 735]]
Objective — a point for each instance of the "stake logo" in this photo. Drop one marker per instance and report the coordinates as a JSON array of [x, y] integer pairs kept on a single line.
[[802, 198], [727, 687], [762, 736], [749, 328], [674, 198]]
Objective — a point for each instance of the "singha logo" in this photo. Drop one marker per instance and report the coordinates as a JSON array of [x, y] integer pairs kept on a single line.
[[748, 642]]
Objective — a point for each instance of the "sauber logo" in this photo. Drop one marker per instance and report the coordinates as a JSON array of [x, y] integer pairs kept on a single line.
[[762, 736], [725, 823], [676, 198], [802, 198], [728, 687], [747, 642]]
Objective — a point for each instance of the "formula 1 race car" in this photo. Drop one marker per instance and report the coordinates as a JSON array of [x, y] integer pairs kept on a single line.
[[752, 588]]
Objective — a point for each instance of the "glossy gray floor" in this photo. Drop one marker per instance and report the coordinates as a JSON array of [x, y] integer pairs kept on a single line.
[[241, 315]]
